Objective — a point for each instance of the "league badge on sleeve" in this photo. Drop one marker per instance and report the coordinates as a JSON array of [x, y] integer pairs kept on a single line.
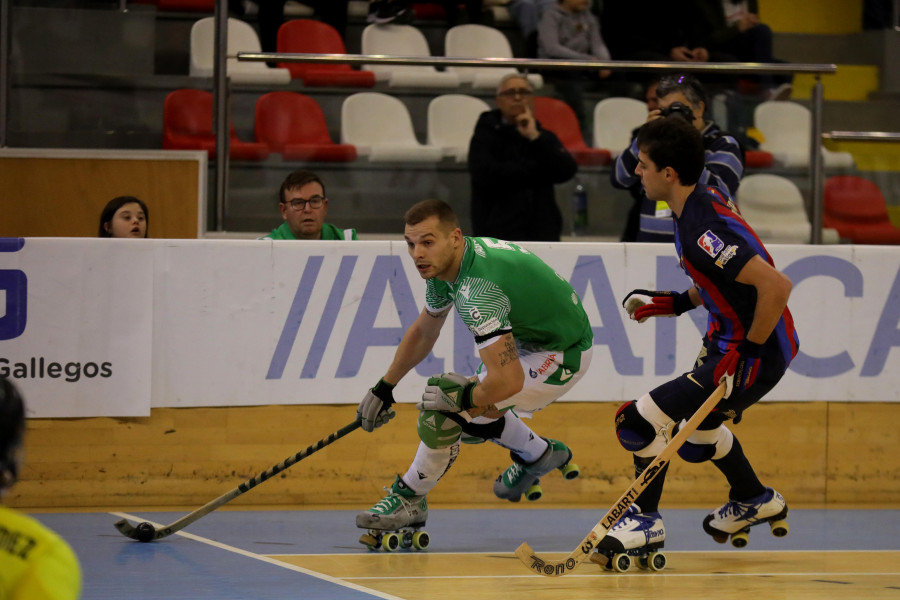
[[710, 243]]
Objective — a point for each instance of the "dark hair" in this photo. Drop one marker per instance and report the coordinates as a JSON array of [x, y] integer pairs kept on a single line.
[[431, 208], [115, 204], [674, 143], [12, 431], [688, 85], [297, 179]]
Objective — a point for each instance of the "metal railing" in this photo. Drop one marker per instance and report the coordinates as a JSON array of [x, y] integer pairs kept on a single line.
[[816, 164], [862, 136]]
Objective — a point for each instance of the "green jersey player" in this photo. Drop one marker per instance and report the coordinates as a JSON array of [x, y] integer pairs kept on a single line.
[[534, 340]]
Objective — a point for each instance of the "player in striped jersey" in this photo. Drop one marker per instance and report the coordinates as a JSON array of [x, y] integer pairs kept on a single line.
[[749, 343]]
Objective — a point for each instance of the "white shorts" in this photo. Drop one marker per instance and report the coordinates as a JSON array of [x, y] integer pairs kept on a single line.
[[546, 379]]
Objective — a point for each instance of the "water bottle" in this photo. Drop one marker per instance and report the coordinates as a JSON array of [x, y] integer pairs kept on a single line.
[[579, 210]]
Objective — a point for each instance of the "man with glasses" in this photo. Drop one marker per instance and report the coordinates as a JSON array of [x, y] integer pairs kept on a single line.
[[303, 207], [514, 164]]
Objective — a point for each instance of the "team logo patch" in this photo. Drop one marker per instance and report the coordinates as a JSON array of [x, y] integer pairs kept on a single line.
[[710, 243], [726, 255]]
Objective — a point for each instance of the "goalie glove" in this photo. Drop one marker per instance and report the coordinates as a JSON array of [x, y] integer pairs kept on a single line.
[[643, 304], [447, 392], [375, 407], [738, 368]]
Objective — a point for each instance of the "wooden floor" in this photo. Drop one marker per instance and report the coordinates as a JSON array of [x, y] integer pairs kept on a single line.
[[830, 554]]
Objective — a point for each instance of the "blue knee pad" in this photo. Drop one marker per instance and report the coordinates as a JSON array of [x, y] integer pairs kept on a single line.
[[705, 445], [633, 430]]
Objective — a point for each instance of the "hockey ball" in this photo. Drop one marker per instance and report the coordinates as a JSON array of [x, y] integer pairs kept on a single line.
[[145, 532]]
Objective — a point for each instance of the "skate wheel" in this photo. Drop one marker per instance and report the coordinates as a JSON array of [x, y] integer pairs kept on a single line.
[[407, 540], [390, 542], [621, 562], [570, 471], [369, 541], [720, 538], [421, 540], [779, 528], [740, 539], [534, 493], [656, 561]]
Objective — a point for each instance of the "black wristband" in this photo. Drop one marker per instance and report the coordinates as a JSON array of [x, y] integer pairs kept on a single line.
[[466, 401], [384, 391], [748, 348], [682, 303]]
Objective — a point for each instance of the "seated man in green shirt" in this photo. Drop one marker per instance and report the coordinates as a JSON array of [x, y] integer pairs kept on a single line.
[[303, 207]]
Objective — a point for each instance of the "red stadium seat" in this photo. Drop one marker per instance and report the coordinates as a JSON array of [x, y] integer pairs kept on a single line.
[[188, 122], [314, 37], [294, 126], [558, 117], [857, 209], [758, 159]]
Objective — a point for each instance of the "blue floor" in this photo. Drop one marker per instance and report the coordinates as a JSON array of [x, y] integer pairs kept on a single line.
[[180, 568]]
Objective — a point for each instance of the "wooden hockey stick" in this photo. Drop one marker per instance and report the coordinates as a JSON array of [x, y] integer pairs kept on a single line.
[[552, 568], [146, 532]]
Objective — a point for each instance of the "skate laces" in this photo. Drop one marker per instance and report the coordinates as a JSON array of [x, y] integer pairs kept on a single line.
[[627, 518], [390, 503], [514, 473]]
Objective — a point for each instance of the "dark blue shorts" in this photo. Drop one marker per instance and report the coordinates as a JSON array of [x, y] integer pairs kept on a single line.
[[682, 396]]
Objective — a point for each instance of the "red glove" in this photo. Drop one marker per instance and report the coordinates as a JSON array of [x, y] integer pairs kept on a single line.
[[643, 304], [738, 368]]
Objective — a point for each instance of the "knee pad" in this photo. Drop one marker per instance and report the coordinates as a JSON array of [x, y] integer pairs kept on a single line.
[[633, 430], [436, 430], [491, 430], [705, 445]]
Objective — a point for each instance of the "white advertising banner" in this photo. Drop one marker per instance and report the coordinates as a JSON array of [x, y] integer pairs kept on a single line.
[[111, 328], [76, 320], [263, 322]]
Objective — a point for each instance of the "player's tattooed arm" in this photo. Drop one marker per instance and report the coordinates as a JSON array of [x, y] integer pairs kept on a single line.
[[509, 353]]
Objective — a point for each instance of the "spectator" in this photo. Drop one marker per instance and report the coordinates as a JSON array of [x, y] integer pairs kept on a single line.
[[36, 562], [682, 96], [514, 163], [124, 217], [569, 31], [650, 31], [304, 207], [633, 220], [527, 13], [731, 28], [270, 14]]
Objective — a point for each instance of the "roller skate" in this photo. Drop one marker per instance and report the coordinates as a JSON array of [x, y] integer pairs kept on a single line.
[[525, 479], [734, 519], [636, 537], [396, 521]]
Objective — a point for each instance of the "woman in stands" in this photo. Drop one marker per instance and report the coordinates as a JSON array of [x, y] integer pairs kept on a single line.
[[124, 217]]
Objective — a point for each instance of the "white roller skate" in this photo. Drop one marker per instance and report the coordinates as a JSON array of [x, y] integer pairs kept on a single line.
[[396, 521], [637, 536], [521, 478], [735, 519]]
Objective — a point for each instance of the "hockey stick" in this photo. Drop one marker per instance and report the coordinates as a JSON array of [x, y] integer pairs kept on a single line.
[[145, 532], [552, 568]]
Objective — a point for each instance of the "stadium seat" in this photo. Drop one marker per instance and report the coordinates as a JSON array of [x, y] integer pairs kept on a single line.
[[451, 123], [479, 41], [558, 117], [786, 129], [758, 159], [188, 125], [241, 38], [614, 120], [775, 209], [403, 40], [293, 125], [316, 37], [857, 209], [381, 129]]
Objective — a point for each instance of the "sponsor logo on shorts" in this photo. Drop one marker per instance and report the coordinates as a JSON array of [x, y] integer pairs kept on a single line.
[[711, 244], [548, 362], [532, 373]]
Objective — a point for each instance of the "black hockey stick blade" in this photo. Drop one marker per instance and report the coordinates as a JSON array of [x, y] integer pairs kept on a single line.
[[557, 568], [147, 532]]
